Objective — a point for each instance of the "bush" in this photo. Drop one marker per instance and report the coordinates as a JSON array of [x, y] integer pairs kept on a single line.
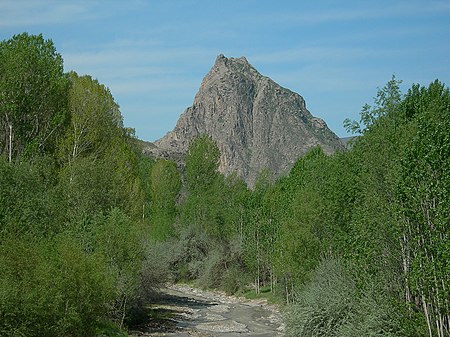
[[374, 315], [233, 279], [324, 304], [154, 273], [187, 253], [120, 241], [87, 285], [52, 289], [332, 304], [29, 203], [74, 282], [155, 268], [211, 269]]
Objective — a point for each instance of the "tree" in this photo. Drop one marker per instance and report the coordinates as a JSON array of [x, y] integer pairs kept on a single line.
[[300, 240], [202, 163], [95, 124], [386, 102], [33, 95], [424, 196], [203, 183], [165, 188]]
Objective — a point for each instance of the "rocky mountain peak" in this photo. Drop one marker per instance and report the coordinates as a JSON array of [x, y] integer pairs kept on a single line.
[[256, 123], [221, 60]]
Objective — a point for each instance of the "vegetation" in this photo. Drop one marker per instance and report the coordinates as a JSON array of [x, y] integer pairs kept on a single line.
[[357, 243], [73, 188]]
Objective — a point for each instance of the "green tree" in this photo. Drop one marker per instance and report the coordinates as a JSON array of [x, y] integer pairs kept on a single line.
[[52, 288], [386, 102], [142, 186], [95, 124], [301, 241], [100, 164], [424, 194], [120, 241], [165, 188], [33, 95], [371, 232], [30, 201], [202, 163], [203, 183]]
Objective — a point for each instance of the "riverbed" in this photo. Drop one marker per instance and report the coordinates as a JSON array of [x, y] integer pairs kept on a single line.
[[182, 310]]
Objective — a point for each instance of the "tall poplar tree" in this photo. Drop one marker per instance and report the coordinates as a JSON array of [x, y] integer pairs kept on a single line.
[[165, 188], [33, 95]]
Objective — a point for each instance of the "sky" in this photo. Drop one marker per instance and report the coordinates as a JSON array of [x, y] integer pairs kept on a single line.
[[153, 55]]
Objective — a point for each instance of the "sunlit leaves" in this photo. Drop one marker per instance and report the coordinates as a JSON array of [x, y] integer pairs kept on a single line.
[[33, 95], [95, 119]]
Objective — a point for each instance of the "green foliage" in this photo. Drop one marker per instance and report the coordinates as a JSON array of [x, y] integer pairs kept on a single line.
[[165, 189], [95, 120], [301, 228], [92, 185], [77, 201], [33, 95], [374, 314], [202, 163], [386, 102], [390, 187], [332, 305], [71, 202], [51, 289], [204, 205], [325, 303], [119, 239], [144, 169], [424, 196], [29, 201]]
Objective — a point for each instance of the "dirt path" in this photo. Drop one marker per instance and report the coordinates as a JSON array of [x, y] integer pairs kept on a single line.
[[185, 311]]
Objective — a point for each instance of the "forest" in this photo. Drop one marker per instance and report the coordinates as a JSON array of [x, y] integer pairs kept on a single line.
[[352, 244]]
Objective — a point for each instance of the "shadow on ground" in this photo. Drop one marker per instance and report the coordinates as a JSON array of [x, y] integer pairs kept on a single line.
[[169, 313]]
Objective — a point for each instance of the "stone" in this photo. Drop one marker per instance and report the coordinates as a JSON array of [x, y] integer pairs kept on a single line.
[[257, 124]]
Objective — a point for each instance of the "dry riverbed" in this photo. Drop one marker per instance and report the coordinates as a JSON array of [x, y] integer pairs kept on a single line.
[[185, 311]]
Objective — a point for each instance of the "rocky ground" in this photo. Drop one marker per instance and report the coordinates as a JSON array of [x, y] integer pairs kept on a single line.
[[185, 311]]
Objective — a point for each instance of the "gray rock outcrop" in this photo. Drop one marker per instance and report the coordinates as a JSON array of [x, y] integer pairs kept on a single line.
[[256, 123]]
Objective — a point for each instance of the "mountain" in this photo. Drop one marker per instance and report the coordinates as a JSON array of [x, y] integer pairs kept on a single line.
[[256, 123]]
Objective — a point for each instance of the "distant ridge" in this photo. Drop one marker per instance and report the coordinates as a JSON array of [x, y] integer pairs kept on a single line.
[[256, 123]]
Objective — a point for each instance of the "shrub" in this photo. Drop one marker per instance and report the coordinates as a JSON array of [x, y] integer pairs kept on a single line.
[[324, 304], [52, 288], [120, 241], [154, 273], [335, 304]]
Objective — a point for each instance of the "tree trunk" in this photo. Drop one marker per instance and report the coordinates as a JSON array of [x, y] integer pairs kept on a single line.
[[122, 319], [10, 142], [427, 315], [257, 281], [286, 287], [273, 279], [406, 262]]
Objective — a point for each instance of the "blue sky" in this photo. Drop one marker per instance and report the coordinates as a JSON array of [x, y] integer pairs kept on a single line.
[[153, 55]]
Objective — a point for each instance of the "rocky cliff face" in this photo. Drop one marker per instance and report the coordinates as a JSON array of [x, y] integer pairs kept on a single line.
[[256, 123]]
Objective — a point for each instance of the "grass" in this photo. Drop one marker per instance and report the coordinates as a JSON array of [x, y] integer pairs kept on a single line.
[[265, 293]]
